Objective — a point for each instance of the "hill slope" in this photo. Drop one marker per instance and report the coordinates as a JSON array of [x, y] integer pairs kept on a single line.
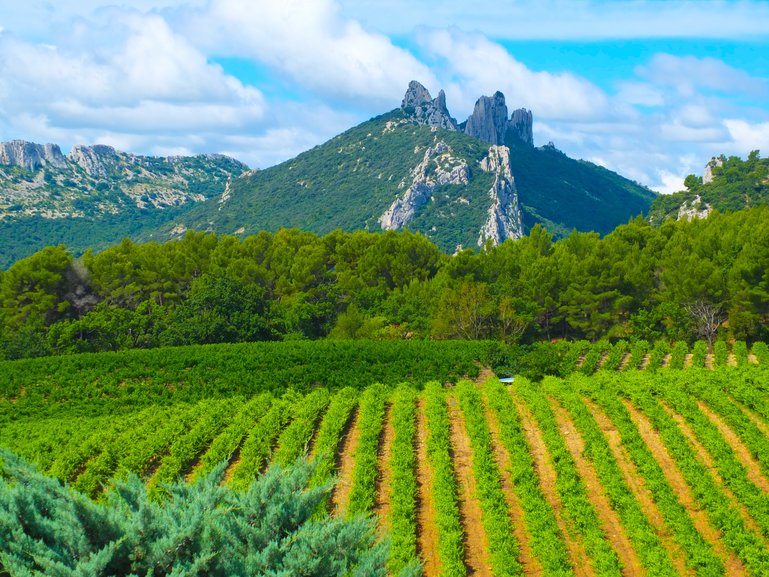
[[416, 168], [95, 195], [728, 184]]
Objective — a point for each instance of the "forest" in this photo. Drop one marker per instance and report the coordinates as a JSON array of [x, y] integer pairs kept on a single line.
[[705, 279]]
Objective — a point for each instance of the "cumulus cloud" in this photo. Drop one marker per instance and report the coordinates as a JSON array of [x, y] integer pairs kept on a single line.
[[748, 136], [473, 64], [313, 44]]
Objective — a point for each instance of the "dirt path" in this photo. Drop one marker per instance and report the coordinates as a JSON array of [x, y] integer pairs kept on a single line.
[[580, 562], [427, 531], [382, 506], [625, 360], [485, 374], [612, 525], [706, 459], [476, 543], [529, 562], [675, 478], [345, 466], [752, 466], [233, 464], [641, 493]]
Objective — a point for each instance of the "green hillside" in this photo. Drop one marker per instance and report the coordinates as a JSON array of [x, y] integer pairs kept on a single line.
[[564, 194], [732, 184], [97, 195], [349, 182]]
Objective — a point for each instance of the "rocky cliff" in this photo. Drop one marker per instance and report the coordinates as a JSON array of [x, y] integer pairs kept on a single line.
[[31, 156], [419, 105]]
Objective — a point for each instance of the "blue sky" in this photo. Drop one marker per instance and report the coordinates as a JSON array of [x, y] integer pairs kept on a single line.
[[651, 89]]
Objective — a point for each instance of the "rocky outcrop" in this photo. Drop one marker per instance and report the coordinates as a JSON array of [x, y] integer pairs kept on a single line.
[[521, 126], [488, 122], [438, 167], [694, 209], [714, 163], [95, 160], [419, 106], [504, 216], [31, 156]]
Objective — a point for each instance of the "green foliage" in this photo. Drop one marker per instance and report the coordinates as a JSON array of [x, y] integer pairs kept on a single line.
[[637, 353], [202, 529], [657, 356], [615, 356], [503, 547], [597, 451], [736, 184], [107, 201], [680, 282], [330, 432], [720, 354], [678, 355], [761, 351], [105, 382], [546, 539], [699, 354], [740, 352], [445, 490], [296, 437], [571, 488], [594, 356], [403, 488], [371, 418]]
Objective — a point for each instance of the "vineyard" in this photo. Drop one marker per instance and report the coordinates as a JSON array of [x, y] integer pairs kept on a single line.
[[609, 470]]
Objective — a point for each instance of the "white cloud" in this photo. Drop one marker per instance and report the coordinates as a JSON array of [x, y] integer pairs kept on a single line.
[[472, 64], [688, 73], [749, 136], [311, 43]]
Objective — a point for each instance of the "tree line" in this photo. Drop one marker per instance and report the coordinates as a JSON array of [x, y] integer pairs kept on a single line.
[[684, 280]]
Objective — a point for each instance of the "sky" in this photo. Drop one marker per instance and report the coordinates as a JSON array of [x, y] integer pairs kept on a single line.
[[649, 88]]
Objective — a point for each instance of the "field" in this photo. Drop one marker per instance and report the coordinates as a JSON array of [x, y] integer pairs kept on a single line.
[[632, 472]]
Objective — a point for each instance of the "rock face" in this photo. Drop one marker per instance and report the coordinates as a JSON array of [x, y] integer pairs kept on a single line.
[[31, 156], [438, 167], [95, 160], [504, 216], [694, 209], [420, 106], [488, 122], [521, 125], [708, 176]]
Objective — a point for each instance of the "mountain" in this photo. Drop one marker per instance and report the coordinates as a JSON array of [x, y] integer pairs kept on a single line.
[[95, 195], [728, 184], [415, 167]]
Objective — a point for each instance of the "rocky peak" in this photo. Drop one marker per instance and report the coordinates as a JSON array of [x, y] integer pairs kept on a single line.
[[31, 156], [488, 122], [420, 106], [93, 159], [521, 126]]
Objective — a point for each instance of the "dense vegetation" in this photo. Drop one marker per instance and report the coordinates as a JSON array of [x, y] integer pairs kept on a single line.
[[205, 529], [659, 472], [736, 184], [349, 182], [681, 281], [563, 194], [95, 210]]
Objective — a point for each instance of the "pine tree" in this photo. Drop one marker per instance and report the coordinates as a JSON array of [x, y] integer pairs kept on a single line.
[[273, 528]]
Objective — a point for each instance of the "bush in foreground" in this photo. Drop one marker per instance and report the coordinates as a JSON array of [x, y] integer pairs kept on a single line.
[[272, 528]]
